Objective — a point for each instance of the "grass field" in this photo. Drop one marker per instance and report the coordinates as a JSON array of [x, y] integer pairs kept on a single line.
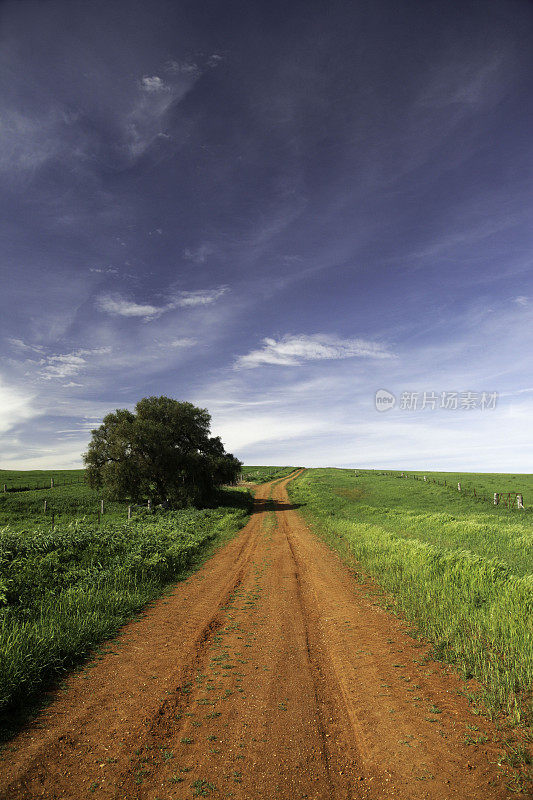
[[461, 569], [63, 590], [481, 484], [24, 510], [15, 480], [265, 474]]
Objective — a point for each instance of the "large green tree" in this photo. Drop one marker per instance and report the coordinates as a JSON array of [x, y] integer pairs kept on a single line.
[[163, 451]]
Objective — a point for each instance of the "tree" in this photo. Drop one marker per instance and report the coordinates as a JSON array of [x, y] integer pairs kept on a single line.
[[163, 451]]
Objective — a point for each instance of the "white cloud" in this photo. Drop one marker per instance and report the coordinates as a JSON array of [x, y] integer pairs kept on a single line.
[[183, 67], [214, 60], [15, 407], [62, 366], [521, 300], [146, 120], [121, 307], [63, 455], [135, 114], [66, 365], [19, 344], [201, 297], [183, 342], [116, 305], [247, 430], [153, 84], [293, 350]]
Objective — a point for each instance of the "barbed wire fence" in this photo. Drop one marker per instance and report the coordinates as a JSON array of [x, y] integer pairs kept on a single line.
[[509, 500], [54, 484]]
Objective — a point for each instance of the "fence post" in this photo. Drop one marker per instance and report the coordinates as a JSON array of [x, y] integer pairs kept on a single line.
[[519, 501], [129, 512], [45, 506], [425, 478], [149, 504], [458, 487], [101, 506], [496, 498], [51, 483]]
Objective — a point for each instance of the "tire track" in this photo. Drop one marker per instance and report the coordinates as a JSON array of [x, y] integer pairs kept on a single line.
[[408, 716], [111, 706], [268, 674]]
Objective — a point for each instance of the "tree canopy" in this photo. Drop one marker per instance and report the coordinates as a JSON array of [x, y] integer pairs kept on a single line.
[[163, 451]]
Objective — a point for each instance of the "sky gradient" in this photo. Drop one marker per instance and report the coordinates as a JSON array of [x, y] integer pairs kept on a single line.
[[273, 211]]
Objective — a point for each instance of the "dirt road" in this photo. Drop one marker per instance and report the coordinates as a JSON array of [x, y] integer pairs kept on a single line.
[[269, 673]]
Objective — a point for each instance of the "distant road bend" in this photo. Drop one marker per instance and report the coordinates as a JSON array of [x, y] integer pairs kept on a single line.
[[269, 673]]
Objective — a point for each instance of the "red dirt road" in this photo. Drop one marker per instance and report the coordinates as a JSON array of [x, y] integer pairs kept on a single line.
[[269, 673]]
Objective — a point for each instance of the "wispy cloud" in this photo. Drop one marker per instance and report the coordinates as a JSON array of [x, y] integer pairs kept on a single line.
[[182, 67], [19, 344], [214, 60], [119, 306], [521, 300], [472, 81], [153, 84], [185, 341], [188, 67], [202, 297], [66, 365], [29, 140], [293, 350], [16, 406]]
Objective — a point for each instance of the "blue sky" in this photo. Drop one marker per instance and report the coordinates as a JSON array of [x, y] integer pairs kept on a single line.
[[271, 210]]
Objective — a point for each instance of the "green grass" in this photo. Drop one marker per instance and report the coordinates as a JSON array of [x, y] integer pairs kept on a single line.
[[265, 474], [25, 510], [36, 479], [64, 590], [485, 483], [461, 569]]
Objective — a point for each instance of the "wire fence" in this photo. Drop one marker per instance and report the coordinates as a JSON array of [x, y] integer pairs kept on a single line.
[[98, 514], [509, 500], [53, 484]]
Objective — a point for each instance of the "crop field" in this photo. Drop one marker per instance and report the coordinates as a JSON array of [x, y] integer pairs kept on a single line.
[[460, 569], [63, 589]]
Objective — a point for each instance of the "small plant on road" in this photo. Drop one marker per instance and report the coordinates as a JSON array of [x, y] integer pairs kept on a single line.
[[202, 788]]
